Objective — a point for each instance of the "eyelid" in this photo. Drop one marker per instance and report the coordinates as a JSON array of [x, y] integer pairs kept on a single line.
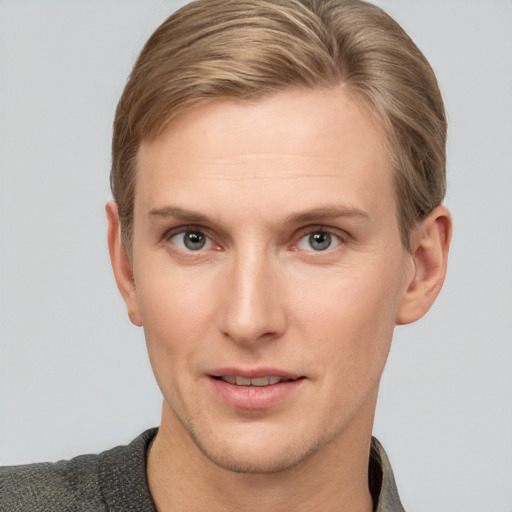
[[341, 235], [180, 230]]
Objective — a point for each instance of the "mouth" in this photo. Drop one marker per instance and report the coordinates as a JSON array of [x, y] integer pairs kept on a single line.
[[260, 382], [255, 389]]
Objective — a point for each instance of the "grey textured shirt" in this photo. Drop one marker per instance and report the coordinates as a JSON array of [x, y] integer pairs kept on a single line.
[[115, 481]]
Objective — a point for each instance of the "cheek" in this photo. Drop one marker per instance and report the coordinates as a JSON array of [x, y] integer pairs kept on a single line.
[[359, 322], [352, 317], [176, 310]]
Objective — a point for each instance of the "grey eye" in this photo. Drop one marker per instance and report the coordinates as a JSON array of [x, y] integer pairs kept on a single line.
[[194, 240], [320, 241], [191, 240]]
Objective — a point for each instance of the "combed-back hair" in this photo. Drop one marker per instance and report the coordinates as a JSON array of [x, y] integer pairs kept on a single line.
[[246, 49]]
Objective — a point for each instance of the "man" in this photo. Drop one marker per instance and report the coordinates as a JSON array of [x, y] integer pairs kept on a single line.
[[278, 172]]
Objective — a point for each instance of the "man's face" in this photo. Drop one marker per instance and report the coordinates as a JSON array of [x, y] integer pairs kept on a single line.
[[266, 247]]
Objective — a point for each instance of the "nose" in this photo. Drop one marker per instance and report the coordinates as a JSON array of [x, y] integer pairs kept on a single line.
[[253, 302]]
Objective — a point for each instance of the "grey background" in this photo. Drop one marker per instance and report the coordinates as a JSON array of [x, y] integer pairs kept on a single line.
[[74, 373]]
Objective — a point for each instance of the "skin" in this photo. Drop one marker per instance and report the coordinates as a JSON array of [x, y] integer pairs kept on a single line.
[[258, 180]]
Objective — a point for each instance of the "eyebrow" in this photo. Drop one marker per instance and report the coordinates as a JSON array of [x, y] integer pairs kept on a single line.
[[325, 213], [178, 213], [314, 215]]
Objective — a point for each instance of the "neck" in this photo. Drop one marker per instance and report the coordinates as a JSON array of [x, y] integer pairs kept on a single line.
[[334, 478]]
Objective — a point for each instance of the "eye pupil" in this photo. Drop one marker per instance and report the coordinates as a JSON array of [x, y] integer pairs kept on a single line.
[[194, 240], [320, 241]]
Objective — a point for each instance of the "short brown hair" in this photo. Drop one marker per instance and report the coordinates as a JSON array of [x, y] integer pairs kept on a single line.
[[244, 49]]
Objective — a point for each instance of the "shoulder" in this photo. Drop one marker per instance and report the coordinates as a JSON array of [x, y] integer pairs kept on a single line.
[[86, 483], [65, 486]]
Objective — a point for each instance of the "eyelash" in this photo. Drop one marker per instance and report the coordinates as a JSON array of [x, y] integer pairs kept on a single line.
[[335, 236], [182, 231]]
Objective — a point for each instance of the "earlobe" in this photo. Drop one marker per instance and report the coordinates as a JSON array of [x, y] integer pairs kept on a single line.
[[121, 264], [430, 245]]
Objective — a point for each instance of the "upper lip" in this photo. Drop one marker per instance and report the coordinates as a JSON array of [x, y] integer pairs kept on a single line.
[[254, 373]]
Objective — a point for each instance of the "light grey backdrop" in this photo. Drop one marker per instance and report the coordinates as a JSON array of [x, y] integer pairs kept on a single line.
[[74, 372]]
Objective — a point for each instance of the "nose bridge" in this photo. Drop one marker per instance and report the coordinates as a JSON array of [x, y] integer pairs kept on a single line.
[[254, 308]]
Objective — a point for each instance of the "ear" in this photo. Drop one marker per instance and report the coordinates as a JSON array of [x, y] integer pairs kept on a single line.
[[121, 264], [429, 252]]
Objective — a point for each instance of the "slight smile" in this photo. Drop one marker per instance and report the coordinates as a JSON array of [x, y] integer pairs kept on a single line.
[[258, 381], [257, 389]]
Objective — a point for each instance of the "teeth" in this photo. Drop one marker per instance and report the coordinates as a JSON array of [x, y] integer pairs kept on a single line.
[[259, 381]]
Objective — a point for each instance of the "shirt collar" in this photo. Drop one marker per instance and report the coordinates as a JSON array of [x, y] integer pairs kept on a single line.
[[382, 482]]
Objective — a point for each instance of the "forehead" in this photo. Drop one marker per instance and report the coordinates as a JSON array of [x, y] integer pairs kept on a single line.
[[309, 144]]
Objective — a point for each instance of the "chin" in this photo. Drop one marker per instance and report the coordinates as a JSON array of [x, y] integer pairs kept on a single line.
[[262, 464], [258, 456]]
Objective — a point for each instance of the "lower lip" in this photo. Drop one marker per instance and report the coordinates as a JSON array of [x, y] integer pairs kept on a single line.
[[254, 397]]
